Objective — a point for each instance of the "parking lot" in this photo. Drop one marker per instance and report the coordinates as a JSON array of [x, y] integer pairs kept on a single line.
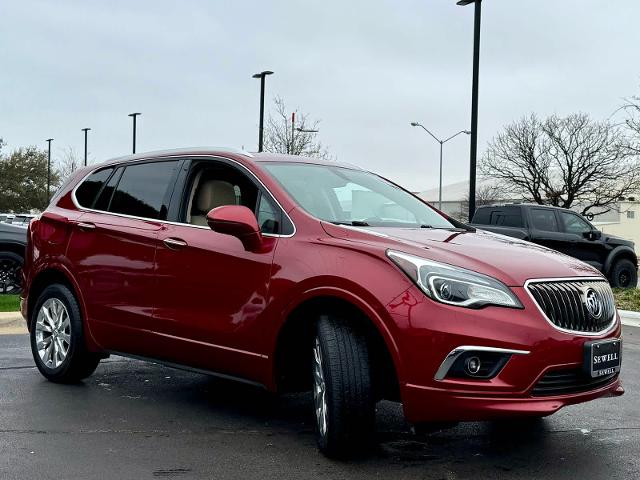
[[139, 420]]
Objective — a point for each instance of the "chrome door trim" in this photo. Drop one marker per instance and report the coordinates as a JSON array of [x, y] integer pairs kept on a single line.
[[125, 162]]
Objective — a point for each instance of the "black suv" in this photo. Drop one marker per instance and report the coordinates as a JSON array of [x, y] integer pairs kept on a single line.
[[566, 231]]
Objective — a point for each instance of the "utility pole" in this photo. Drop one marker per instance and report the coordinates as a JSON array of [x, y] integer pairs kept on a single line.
[[85, 130]]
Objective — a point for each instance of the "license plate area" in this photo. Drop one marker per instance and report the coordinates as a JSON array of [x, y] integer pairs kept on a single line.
[[602, 357]]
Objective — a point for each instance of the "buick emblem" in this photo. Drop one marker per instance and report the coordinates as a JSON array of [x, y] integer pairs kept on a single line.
[[593, 302]]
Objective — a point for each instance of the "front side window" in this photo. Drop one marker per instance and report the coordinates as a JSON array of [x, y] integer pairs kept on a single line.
[[87, 191], [353, 197], [574, 224], [142, 189], [544, 220]]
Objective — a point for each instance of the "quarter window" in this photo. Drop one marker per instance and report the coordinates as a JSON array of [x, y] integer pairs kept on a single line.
[[87, 191], [268, 216], [142, 189]]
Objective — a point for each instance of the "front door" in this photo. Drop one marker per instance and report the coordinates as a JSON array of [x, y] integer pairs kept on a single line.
[[211, 292]]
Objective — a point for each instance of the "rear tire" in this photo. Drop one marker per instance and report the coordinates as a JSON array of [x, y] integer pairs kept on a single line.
[[57, 337], [624, 274], [10, 273], [342, 387]]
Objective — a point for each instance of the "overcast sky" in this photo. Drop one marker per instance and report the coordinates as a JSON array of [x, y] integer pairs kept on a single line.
[[366, 69]]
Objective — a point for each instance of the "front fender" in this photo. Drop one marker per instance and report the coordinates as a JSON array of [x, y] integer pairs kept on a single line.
[[615, 253]]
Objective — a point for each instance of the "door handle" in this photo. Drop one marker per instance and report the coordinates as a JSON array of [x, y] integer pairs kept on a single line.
[[174, 243], [86, 226]]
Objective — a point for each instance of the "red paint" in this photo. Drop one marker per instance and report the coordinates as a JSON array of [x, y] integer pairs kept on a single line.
[[219, 299]]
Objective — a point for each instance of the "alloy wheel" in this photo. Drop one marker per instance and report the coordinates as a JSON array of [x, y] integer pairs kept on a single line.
[[319, 389], [53, 333], [9, 276]]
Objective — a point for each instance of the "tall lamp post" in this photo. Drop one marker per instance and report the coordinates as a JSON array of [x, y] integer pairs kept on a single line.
[[49, 140], [134, 115], [441, 142], [85, 130], [261, 76], [474, 103]]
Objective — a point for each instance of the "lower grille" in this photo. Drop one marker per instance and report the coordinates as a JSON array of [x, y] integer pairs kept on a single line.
[[564, 382]]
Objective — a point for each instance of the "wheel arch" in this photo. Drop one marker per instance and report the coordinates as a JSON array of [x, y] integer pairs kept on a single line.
[[49, 276], [290, 361], [13, 247], [618, 253]]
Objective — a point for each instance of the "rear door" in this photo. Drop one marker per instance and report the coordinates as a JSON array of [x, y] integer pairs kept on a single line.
[[544, 226], [113, 251]]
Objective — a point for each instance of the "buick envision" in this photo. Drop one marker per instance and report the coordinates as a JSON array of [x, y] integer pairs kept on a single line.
[[295, 274]]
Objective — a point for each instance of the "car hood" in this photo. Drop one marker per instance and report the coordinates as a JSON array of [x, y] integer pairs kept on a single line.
[[510, 260]]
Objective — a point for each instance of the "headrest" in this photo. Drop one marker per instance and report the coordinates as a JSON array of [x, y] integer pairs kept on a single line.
[[215, 193]]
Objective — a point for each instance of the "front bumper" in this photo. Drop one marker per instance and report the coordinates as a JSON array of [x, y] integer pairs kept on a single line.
[[430, 331]]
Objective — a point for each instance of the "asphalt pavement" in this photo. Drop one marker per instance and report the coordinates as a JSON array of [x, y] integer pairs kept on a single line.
[[135, 420]]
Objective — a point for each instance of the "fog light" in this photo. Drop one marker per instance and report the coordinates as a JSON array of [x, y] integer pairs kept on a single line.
[[472, 365]]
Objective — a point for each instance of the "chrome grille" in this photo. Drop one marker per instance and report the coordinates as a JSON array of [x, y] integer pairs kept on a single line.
[[564, 302]]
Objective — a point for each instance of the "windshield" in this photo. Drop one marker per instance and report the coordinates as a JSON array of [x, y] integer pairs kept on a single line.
[[353, 197]]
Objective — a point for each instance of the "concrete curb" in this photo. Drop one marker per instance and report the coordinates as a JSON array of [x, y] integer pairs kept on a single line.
[[629, 318], [12, 323]]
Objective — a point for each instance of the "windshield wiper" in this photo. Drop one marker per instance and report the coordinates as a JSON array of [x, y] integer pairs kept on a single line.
[[426, 226], [353, 223]]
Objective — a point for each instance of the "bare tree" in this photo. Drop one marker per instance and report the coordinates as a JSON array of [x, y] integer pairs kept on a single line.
[[69, 163], [570, 161], [486, 194], [282, 136], [631, 108]]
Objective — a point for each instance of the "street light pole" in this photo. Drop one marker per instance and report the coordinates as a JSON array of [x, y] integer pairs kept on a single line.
[[85, 130], [293, 129], [49, 140], [261, 76], [134, 115], [441, 142], [474, 103]]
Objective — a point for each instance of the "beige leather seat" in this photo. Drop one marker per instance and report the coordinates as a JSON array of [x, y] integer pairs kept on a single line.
[[211, 194]]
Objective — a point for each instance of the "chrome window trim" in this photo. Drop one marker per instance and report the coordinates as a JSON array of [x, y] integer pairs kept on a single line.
[[456, 352], [176, 157], [612, 324]]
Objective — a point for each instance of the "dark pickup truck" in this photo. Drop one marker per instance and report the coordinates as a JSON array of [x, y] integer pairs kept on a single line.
[[567, 232], [13, 240]]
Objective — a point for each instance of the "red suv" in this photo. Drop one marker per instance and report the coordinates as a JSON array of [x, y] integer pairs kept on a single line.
[[293, 274]]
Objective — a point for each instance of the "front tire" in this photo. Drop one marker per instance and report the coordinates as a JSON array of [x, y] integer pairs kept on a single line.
[[624, 274], [342, 388], [57, 337]]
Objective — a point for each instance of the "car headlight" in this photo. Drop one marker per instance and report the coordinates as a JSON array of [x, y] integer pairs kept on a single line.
[[454, 285]]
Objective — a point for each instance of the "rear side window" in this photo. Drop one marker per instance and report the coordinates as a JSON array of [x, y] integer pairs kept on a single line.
[[508, 217], [142, 190], [87, 191], [544, 220]]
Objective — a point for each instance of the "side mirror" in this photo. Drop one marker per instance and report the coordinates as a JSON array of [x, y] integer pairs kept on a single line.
[[239, 222], [593, 235]]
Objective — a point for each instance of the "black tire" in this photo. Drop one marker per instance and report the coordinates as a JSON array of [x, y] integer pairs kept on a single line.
[[10, 273], [78, 362], [348, 390], [624, 274]]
